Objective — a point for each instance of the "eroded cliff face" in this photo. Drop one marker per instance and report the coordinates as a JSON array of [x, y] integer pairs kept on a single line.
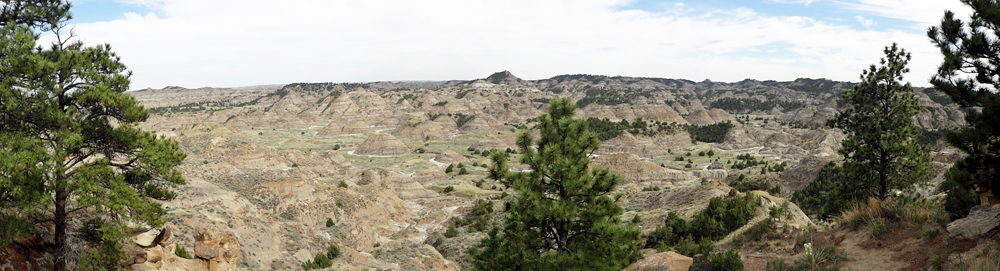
[[262, 164]]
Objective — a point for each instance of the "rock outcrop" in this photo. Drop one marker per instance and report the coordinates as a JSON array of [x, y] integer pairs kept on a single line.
[[981, 219], [380, 144], [214, 251]]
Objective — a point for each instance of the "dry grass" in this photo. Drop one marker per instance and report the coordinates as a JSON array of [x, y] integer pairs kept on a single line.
[[918, 211]]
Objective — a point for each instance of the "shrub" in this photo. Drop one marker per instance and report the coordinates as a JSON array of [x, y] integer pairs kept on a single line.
[[329, 222], [451, 232], [878, 228], [744, 185], [342, 184], [448, 189], [332, 251], [181, 252], [728, 261], [449, 169], [679, 159], [438, 242], [336, 147], [463, 171]]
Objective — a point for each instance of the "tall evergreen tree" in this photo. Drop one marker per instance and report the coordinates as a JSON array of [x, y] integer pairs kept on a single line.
[[970, 75], [881, 152], [565, 216], [69, 139]]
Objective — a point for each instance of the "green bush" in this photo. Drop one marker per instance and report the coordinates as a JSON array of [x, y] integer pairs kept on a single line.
[[720, 217], [825, 196], [727, 261], [342, 184], [181, 252], [879, 228], [449, 169], [451, 232], [329, 222], [336, 147], [463, 171], [438, 242], [332, 251], [448, 189], [745, 185]]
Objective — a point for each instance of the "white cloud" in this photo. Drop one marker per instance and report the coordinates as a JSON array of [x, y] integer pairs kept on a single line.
[[805, 2], [865, 22], [923, 13], [195, 43]]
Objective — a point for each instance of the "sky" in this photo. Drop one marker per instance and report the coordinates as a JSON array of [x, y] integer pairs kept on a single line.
[[228, 43]]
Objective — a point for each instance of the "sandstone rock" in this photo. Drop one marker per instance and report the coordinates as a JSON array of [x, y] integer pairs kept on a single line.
[[981, 219], [380, 144], [146, 238], [663, 261], [216, 246]]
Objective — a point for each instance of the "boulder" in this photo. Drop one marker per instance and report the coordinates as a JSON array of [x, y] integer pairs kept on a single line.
[[981, 220], [217, 247], [664, 261]]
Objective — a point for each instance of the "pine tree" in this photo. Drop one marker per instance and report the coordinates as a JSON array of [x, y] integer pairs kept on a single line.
[[971, 48], [70, 140], [565, 216], [881, 150]]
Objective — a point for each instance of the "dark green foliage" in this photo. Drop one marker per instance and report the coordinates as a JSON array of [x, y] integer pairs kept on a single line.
[[70, 138], [928, 138], [319, 262], [448, 189], [726, 261], [606, 129], [329, 222], [332, 251], [880, 151], [762, 184], [744, 105], [970, 48], [451, 232], [715, 133], [463, 171], [441, 103], [462, 119], [564, 211], [478, 218], [679, 159], [449, 169], [720, 217], [461, 94], [336, 146], [651, 188], [711, 153], [181, 252], [342, 184], [438, 242], [961, 195], [827, 195]]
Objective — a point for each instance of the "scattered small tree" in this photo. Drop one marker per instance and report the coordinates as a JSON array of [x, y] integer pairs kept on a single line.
[[881, 152], [564, 216]]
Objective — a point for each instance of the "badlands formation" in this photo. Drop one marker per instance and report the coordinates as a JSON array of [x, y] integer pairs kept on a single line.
[[272, 166]]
